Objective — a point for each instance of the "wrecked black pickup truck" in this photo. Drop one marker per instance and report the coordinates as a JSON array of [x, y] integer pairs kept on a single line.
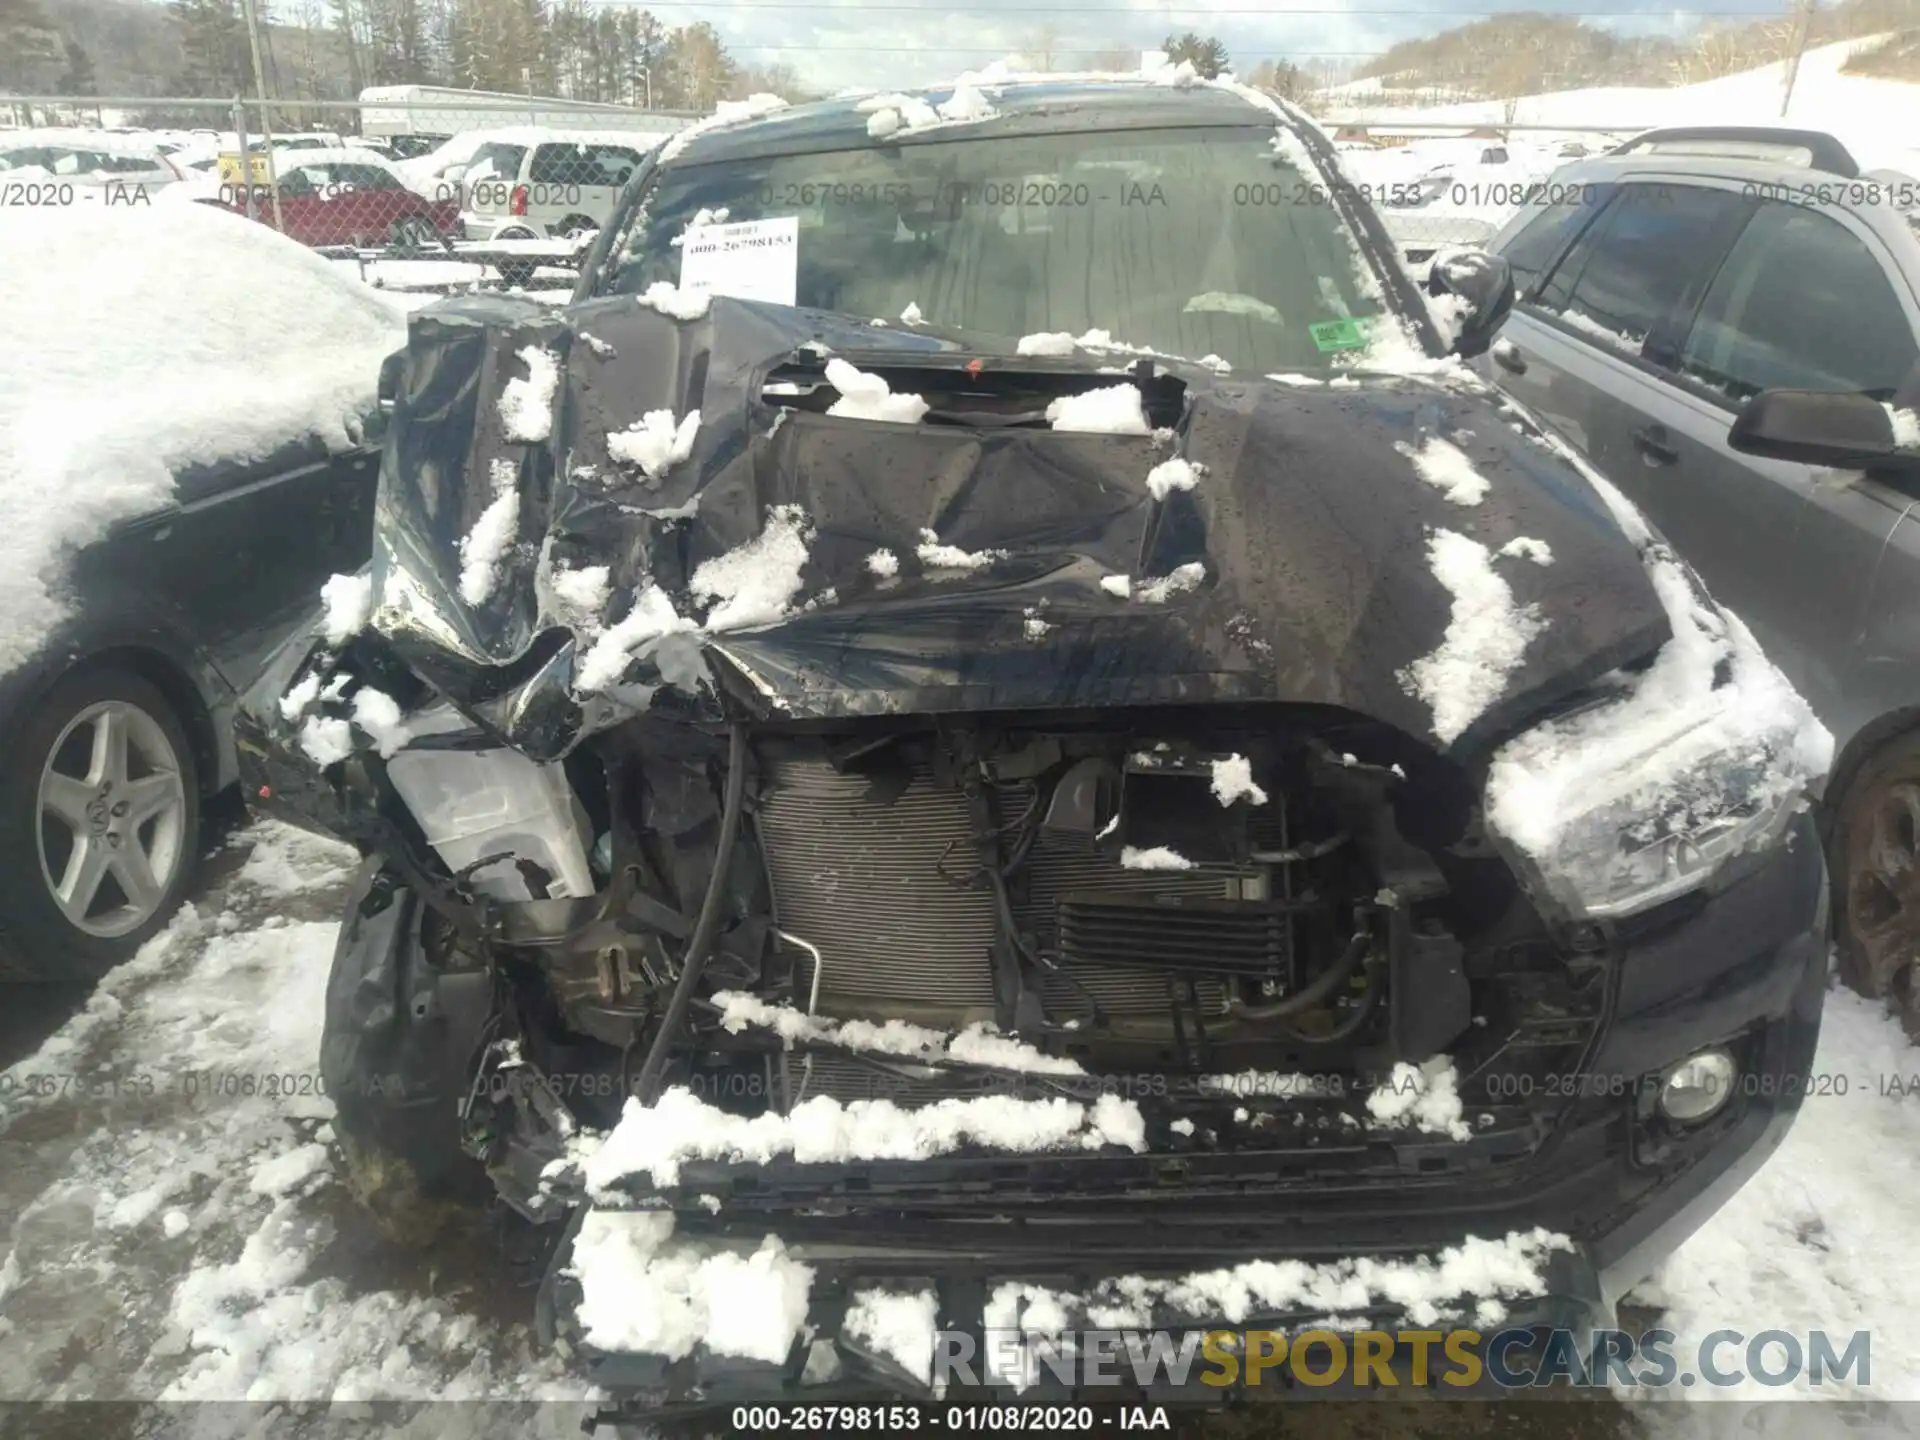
[[900, 811]]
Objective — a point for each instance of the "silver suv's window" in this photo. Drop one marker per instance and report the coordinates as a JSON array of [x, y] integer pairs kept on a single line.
[[1800, 302], [1530, 252], [1190, 241], [1632, 268]]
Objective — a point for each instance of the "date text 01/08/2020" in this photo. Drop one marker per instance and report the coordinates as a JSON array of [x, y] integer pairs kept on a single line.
[[804, 1419]]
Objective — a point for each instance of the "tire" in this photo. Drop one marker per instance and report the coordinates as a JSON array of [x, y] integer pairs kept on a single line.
[[574, 225], [103, 725], [403, 1014], [413, 233], [1873, 852]]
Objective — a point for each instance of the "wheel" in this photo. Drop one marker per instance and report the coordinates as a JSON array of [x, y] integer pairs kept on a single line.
[[516, 272], [1874, 854], [411, 232], [574, 225], [99, 824]]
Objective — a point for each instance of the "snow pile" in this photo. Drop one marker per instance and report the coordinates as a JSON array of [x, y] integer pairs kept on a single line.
[[1119, 586], [911, 315], [1487, 634], [1233, 780], [891, 114], [651, 618], [1224, 302], [1182, 579], [1158, 857], [869, 397], [326, 740], [898, 1325], [141, 340], [1524, 547], [526, 402], [898, 114], [656, 443], [1668, 747], [1045, 342], [670, 300], [1426, 1097], [1471, 1280], [347, 601], [485, 546], [727, 112], [1447, 469], [641, 1292], [884, 563], [1171, 475], [378, 713], [581, 594], [1111, 410], [655, 1140], [937, 556], [978, 1044], [755, 583], [1906, 427]]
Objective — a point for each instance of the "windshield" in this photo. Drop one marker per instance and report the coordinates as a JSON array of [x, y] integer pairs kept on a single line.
[[1191, 242]]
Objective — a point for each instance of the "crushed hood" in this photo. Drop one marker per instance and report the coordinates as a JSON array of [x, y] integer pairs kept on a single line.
[[1310, 526]]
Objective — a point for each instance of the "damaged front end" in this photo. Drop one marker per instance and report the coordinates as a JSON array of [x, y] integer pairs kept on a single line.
[[844, 875]]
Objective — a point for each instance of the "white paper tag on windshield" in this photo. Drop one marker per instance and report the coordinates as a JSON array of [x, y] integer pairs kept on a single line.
[[748, 260]]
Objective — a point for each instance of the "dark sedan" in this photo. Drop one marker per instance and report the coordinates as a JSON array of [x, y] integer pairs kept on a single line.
[[187, 451]]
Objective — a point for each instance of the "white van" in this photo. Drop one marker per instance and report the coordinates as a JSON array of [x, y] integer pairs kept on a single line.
[[530, 183]]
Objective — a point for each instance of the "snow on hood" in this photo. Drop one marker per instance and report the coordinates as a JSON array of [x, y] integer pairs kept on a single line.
[[140, 341], [1307, 534]]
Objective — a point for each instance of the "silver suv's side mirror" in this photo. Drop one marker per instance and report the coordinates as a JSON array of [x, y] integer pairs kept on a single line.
[[1482, 284], [1847, 431]]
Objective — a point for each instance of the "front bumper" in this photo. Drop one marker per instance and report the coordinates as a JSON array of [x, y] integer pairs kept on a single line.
[[1744, 966]]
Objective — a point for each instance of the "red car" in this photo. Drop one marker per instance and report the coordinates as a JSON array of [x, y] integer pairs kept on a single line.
[[349, 198]]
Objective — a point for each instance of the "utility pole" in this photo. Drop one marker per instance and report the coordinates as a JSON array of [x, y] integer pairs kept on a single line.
[[1802, 24], [266, 121]]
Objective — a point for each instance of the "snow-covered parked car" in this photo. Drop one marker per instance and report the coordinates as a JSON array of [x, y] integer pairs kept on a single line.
[[58, 168], [887, 792], [184, 454]]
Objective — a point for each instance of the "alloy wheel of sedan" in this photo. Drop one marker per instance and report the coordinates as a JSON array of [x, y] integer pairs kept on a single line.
[[113, 817]]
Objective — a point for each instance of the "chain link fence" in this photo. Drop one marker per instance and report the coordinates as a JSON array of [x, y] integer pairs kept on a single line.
[[441, 194], [437, 195]]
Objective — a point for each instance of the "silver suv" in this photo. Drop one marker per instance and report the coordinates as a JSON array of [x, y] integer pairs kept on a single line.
[[1724, 321]]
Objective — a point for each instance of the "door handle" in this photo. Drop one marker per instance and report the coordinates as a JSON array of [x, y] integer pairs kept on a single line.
[[1652, 443], [1507, 356]]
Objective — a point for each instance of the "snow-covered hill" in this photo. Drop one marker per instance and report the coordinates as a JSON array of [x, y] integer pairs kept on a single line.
[[1879, 120]]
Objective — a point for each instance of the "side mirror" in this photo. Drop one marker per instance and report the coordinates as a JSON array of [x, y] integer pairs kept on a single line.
[[1848, 431], [453, 173], [391, 370], [1481, 285]]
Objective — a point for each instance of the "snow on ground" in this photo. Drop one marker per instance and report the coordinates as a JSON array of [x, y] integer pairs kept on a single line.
[[1822, 1237], [176, 1222]]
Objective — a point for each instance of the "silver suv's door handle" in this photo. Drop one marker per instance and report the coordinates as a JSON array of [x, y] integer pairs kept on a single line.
[[1507, 356]]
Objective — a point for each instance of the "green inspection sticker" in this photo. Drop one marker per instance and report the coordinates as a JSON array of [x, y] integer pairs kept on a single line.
[[1343, 334]]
